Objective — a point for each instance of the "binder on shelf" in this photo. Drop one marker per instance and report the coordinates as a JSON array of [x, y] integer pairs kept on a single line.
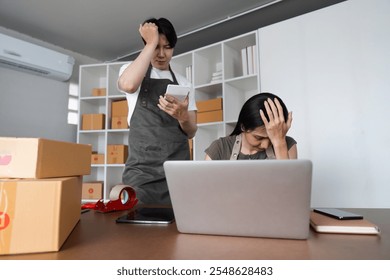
[[189, 73], [249, 60]]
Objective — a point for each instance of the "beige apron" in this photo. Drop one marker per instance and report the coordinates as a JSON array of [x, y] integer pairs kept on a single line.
[[237, 148]]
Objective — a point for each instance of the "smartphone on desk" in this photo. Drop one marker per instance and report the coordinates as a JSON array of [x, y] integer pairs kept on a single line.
[[148, 216], [179, 92], [338, 214]]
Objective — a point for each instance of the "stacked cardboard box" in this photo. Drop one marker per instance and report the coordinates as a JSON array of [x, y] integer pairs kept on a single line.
[[98, 91], [92, 190], [93, 121], [97, 158], [209, 110], [117, 154], [40, 192], [119, 111]]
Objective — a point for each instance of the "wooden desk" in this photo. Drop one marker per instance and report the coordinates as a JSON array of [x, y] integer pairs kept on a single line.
[[98, 237]]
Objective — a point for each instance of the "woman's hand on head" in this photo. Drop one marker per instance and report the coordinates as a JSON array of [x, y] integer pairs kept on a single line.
[[277, 127]]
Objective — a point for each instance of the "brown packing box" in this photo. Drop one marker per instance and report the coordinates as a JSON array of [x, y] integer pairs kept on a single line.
[[209, 105], [97, 159], [98, 91], [116, 154], [42, 158], [119, 108], [38, 215], [92, 190], [119, 123], [93, 121], [211, 116]]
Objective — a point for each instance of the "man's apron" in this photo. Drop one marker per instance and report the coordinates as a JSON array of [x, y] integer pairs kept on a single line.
[[154, 137]]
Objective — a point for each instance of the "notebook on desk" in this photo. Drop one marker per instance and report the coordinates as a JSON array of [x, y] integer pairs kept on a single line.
[[260, 198]]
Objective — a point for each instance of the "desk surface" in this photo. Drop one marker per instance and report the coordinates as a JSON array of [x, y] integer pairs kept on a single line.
[[98, 237]]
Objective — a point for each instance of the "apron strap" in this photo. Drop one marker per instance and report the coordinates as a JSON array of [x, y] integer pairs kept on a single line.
[[237, 147], [270, 153], [146, 82]]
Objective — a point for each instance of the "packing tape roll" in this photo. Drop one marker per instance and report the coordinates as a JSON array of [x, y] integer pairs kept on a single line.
[[119, 190]]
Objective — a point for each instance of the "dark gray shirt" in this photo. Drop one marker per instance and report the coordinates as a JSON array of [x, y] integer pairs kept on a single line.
[[221, 149]]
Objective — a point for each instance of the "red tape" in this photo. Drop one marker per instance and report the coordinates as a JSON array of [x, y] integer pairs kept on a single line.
[[127, 200]]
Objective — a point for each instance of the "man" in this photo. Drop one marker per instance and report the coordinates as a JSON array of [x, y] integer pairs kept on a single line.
[[160, 124]]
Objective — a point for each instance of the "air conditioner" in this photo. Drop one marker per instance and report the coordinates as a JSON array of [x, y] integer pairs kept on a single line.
[[34, 59]]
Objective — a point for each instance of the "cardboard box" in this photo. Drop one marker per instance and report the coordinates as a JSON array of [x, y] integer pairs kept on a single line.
[[93, 121], [119, 123], [117, 154], [212, 116], [38, 215], [119, 108], [99, 92], [42, 158], [92, 190], [97, 159], [209, 105]]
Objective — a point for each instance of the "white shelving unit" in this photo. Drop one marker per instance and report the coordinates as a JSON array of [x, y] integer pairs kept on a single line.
[[101, 76], [234, 87]]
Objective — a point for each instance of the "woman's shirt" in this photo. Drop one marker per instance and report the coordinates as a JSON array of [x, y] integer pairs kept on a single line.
[[221, 149]]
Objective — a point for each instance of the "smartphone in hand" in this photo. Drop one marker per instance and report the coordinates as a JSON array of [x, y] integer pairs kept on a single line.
[[179, 92]]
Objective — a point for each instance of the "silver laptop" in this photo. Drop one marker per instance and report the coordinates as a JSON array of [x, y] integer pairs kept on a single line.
[[260, 198]]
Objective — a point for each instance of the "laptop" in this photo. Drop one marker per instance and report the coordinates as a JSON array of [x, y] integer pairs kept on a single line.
[[259, 198]]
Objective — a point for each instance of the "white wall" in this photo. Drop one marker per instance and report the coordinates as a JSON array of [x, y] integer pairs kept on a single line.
[[34, 106], [332, 68]]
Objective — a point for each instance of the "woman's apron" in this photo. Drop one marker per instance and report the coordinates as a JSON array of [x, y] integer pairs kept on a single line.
[[237, 148], [154, 137]]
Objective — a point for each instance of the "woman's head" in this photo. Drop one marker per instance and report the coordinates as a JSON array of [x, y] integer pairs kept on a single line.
[[249, 118]]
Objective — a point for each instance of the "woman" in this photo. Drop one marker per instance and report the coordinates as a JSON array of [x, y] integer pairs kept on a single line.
[[260, 132], [160, 125]]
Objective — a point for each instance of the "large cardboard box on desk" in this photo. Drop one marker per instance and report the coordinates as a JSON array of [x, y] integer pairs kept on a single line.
[[38, 215], [42, 158]]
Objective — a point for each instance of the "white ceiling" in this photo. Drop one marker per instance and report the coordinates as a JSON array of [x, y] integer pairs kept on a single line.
[[107, 30]]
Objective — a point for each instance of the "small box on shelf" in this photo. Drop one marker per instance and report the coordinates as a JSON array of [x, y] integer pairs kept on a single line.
[[209, 105], [97, 158], [92, 190], [210, 116], [119, 108], [119, 122], [99, 92], [117, 154], [93, 122], [210, 110]]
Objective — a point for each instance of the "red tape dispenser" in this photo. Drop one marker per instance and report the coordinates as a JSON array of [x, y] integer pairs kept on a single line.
[[122, 197]]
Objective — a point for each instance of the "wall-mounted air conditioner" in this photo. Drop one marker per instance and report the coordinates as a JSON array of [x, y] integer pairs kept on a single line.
[[34, 59]]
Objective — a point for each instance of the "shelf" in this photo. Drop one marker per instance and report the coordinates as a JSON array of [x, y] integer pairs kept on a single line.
[[222, 60]]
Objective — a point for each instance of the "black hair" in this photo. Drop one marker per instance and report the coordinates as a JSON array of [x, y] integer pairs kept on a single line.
[[249, 117], [164, 27]]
